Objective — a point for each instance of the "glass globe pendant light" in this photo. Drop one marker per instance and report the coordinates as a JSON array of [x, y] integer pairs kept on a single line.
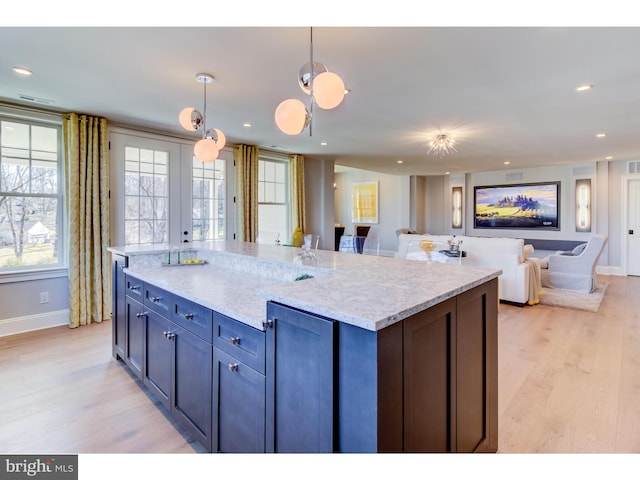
[[326, 90], [213, 140]]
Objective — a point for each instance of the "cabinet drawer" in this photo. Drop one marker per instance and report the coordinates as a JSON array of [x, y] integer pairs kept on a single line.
[[158, 300], [239, 340], [134, 288], [193, 317]]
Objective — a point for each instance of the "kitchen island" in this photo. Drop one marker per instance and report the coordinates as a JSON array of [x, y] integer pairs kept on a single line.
[[370, 354]]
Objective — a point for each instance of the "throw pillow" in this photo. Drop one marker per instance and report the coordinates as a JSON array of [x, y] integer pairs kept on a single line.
[[579, 249]]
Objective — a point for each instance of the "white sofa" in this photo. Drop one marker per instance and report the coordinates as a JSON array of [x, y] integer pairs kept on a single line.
[[506, 254]]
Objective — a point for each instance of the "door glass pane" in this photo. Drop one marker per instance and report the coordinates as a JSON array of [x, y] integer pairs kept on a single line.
[[146, 195], [208, 192]]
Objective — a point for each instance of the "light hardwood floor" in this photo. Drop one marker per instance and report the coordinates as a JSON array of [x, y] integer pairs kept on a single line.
[[569, 382]]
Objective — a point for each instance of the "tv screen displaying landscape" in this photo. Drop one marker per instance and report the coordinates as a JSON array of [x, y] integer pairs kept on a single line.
[[525, 206]]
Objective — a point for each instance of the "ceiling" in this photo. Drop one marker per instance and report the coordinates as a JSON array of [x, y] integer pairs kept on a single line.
[[506, 94]]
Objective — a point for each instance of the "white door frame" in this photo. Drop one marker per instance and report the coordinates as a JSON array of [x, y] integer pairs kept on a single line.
[[626, 180]]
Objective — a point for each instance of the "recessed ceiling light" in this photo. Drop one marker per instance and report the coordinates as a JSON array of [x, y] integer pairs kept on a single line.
[[601, 135], [247, 125], [507, 162], [608, 158], [447, 173], [323, 144], [22, 71], [399, 161], [584, 88]]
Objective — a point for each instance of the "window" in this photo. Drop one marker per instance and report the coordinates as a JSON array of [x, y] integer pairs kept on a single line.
[[145, 196], [31, 196], [273, 201], [208, 201]]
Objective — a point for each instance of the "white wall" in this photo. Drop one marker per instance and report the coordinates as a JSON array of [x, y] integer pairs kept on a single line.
[[431, 195], [319, 208], [21, 308], [567, 175], [392, 203]]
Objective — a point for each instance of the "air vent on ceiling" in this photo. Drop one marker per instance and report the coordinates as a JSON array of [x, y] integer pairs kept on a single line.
[[511, 177], [633, 167], [32, 99]]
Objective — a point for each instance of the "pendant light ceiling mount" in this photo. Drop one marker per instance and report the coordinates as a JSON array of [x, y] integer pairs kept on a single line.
[[325, 89], [213, 140]]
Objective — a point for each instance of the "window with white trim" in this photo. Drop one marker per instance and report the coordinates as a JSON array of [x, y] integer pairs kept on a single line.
[[273, 201], [31, 196]]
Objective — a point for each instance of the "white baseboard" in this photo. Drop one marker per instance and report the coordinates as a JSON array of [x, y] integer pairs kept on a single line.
[[12, 326], [610, 270]]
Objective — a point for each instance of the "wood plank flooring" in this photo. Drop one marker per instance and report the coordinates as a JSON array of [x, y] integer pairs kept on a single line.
[[569, 382]]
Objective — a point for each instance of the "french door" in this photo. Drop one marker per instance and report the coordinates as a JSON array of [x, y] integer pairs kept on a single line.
[[159, 193]]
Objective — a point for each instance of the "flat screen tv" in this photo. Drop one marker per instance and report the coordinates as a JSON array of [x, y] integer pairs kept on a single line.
[[524, 206]]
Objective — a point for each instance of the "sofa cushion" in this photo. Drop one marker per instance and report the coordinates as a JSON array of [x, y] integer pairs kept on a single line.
[[579, 249]]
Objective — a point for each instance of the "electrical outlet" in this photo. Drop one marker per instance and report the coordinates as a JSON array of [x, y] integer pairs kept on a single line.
[[44, 297]]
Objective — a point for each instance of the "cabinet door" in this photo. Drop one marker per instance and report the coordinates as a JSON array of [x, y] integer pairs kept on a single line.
[[238, 406], [476, 379], [429, 402], [300, 381], [192, 381], [159, 357], [136, 321], [118, 308]]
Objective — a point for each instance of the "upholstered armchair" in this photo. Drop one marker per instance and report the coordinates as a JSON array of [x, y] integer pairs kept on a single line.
[[574, 272]]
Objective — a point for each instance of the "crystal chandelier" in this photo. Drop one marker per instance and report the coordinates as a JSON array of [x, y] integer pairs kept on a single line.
[[442, 145]]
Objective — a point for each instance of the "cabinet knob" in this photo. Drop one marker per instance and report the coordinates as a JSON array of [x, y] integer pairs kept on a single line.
[[235, 340], [188, 316], [155, 299], [233, 367], [268, 323], [169, 335], [141, 314]]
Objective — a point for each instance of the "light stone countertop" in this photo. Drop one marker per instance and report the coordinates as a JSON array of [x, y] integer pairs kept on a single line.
[[363, 290]]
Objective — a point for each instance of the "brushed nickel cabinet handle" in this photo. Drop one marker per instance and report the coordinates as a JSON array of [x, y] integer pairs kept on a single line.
[[188, 316], [235, 340], [169, 335], [155, 299], [141, 314], [233, 367]]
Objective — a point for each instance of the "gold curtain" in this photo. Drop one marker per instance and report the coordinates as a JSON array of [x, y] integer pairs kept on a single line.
[[86, 145], [296, 191], [246, 162]]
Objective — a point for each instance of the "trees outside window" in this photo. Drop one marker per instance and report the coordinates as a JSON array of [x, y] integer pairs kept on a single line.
[[30, 196]]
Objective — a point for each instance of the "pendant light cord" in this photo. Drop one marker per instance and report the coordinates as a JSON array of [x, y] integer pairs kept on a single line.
[[311, 80], [204, 114]]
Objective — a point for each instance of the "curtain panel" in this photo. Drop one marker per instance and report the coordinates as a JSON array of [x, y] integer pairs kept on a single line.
[[296, 191], [86, 145], [246, 163]]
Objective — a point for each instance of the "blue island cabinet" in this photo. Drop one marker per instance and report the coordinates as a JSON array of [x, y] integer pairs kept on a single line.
[[238, 387], [427, 383], [301, 381]]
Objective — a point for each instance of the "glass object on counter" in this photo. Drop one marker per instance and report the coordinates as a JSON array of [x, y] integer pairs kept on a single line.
[[307, 256]]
